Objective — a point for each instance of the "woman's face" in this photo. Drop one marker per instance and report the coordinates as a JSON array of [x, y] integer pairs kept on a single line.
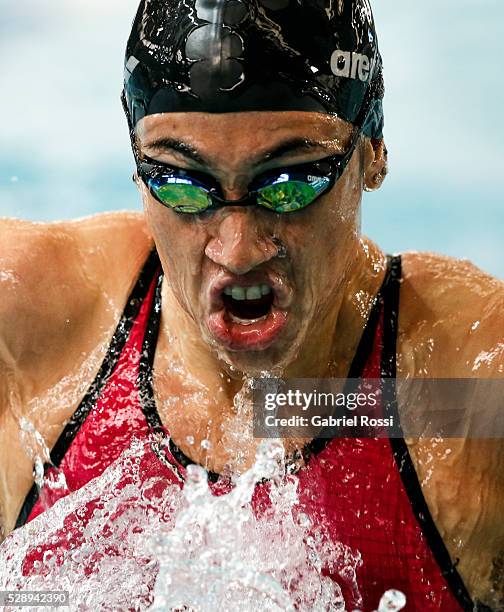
[[256, 283]]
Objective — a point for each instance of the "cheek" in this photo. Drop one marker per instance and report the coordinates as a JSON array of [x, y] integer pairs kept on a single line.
[[323, 239], [325, 231], [339, 218], [180, 244]]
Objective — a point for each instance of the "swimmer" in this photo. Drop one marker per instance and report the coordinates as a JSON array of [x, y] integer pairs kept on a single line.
[[255, 127]]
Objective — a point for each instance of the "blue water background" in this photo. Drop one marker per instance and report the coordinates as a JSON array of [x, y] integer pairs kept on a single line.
[[64, 148]]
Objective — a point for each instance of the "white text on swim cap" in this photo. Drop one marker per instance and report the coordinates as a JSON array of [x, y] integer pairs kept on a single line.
[[351, 65]]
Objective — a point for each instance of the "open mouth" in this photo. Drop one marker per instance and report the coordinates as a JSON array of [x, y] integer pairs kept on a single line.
[[247, 305], [245, 316]]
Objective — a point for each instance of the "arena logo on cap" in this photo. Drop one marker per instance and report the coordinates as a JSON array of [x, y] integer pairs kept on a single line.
[[351, 65]]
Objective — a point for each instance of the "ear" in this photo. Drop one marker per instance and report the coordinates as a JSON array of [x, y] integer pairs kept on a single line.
[[375, 163]]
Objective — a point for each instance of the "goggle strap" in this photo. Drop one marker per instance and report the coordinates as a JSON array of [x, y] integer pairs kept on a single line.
[[134, 147]]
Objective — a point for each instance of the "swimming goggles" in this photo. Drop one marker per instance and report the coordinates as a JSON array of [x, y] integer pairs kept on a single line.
[[281, 190]]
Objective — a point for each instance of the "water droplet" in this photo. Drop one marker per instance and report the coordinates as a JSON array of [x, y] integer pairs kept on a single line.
[[391, 601]]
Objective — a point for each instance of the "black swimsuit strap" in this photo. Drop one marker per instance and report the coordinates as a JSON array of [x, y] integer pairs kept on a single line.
[[390, 295], [400, 449], [146, 382]]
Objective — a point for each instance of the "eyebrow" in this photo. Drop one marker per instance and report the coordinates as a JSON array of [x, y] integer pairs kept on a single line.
[[171, 144], [293, 145]]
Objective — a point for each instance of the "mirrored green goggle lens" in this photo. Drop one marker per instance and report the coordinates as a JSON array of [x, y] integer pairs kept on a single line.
[[288, 196], [183, 198]]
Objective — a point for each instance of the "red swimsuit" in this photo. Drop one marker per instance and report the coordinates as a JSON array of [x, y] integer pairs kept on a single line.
[[364, 490]]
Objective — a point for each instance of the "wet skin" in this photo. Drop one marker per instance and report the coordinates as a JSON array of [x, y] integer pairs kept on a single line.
[[64, 285]]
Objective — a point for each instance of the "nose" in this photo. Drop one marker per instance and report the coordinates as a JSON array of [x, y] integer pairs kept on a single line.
[[239, 243]]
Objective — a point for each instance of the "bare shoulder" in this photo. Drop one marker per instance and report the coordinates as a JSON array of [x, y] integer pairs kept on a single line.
[[451, 325], [54, 274], [114, 245], [451, 318]]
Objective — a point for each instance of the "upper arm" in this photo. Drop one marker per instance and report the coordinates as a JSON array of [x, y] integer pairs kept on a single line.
[[46, 295], [451, 319], [61, 286], [451, 327], [33, 287], [488, 338], [27, 287]]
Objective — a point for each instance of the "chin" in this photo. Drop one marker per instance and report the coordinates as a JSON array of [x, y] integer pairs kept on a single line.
[[255, 364], [272, 361]]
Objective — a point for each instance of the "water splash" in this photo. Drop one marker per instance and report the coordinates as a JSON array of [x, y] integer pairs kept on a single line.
[[228, 558], [130, 540], [391, 601], [49, 479]]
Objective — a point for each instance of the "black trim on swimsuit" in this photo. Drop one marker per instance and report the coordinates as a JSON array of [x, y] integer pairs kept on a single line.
[[361, 357], [400, 449], [145, 380], [146, 366], [115, 349]]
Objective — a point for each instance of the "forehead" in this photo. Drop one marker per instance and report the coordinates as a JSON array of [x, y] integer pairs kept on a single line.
[[209, 131]]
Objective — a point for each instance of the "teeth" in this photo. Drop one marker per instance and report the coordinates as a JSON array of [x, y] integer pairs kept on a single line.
[[247, 293], [254, 293], [238, 293]]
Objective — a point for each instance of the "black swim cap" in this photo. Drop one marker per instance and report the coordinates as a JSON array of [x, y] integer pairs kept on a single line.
[[255, 55]]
